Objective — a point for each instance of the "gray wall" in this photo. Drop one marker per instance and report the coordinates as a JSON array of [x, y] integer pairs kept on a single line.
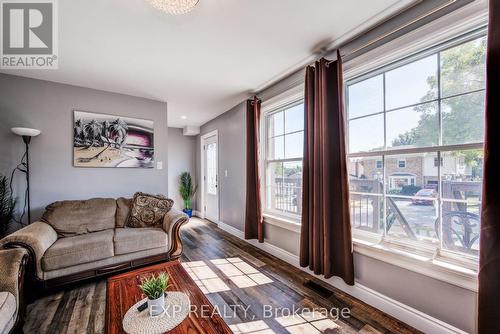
[[49, 106], [232, 188], [446, 302], [181, 158]]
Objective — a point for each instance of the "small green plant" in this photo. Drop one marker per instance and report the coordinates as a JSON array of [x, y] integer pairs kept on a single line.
[[154, 286], [187, 189], [7, 205]]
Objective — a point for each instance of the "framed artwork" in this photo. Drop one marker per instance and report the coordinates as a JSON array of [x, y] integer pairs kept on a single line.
[[101, 140]]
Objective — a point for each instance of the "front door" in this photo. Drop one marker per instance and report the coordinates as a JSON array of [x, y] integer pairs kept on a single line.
[[211, 190]]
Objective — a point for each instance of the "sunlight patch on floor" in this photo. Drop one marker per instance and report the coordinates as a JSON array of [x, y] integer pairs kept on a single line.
[[310, 323], [206, 279], [241, 273], [253, 327]]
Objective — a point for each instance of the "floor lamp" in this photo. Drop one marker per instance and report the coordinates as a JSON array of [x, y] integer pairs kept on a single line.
[[26, 134]]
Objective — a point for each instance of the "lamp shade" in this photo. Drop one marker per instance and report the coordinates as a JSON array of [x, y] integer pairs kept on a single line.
[[26, 132]]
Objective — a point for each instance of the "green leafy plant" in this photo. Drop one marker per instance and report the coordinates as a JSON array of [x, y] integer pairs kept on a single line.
[[187, 189], [7, 205], [154, 286]]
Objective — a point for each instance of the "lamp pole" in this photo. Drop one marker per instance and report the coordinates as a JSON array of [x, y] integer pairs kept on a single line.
[[26, 134], [27, 140]]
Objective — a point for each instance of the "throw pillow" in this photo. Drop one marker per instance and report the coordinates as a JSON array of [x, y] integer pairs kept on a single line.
[[148, 210]]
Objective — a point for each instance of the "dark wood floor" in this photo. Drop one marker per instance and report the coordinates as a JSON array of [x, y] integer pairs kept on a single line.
[[239, 280]]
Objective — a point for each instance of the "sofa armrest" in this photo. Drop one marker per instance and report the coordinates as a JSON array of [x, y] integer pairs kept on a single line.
[[172, 223], [36, 238], [12, 266]]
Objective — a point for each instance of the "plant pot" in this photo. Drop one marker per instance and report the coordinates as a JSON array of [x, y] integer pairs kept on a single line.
[[156, 306], [189, 212]]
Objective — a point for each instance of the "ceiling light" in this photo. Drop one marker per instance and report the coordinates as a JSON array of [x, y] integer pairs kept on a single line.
[[174, 7], [183, 117]]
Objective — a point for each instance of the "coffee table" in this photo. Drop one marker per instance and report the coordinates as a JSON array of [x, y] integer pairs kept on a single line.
[[122, 293]]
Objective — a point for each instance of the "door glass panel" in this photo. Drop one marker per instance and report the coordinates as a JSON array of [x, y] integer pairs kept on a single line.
[[212, 168]]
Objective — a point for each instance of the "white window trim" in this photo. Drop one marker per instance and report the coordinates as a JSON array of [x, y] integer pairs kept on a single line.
[[431, 263], [459, 22], [281, 219], [457, 269], [434, 266], [291, 224]]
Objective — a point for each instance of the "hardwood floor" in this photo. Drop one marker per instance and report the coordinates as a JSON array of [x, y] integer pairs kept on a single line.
[[253, 291]]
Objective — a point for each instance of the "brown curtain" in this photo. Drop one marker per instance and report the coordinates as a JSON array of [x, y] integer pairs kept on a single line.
[[325, 242], [253, 213], [489, 258]]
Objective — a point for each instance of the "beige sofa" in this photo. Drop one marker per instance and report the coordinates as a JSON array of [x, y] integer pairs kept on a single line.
[[12, 266], [77, 240]]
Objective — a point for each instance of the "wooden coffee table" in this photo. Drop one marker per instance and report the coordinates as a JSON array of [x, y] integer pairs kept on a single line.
[[122, 293]]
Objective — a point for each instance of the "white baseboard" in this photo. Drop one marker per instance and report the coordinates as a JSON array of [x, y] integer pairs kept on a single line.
[[198, 214], [400, 311]]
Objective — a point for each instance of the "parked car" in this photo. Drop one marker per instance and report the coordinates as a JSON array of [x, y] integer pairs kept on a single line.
[[431, 193]]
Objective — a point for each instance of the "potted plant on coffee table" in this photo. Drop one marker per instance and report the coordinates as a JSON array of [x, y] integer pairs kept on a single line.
[[154, 288], [187, 191]]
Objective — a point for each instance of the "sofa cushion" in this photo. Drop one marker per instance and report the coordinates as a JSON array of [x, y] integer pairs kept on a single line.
[[8, 311], [70, 218], [123, 206], [130, 240], [148, 210], [70, 251]]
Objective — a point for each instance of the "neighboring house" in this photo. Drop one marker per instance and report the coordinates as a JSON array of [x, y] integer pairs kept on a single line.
[[419, 170]]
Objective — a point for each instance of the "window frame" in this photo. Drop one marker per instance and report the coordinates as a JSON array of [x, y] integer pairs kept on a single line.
[[280, 103], [461, 259]]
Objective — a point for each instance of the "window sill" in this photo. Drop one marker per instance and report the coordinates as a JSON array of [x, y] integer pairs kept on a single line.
[[432, 266], [285, 223], [435, 267]]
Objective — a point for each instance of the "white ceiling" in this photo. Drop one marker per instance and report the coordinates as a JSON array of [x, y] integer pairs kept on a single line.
[[201, 63]]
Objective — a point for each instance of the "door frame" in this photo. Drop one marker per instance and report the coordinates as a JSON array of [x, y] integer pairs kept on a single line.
[[203, 138]]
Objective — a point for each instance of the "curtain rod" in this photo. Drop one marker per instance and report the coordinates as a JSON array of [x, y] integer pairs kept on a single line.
[[329, 49], [387, 34]]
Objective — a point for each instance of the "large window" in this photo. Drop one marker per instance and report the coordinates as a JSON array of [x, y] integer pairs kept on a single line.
[[284, 131], [415, 133]]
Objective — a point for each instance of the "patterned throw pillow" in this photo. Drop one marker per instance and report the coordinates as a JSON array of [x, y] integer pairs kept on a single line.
[[148, 210]]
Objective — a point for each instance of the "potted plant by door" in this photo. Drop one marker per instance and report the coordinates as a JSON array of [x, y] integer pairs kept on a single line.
[[187, 191], [154, 288]]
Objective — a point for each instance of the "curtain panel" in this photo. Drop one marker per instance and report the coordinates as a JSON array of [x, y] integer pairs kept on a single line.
[[254, 228], [326, 241], [489, 252]]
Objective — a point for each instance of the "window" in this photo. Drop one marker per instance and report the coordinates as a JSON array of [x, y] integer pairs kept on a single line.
[[284, 129], [436, 162], [415, 133]]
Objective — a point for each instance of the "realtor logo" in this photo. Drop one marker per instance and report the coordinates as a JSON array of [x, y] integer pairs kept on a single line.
[[29, 34]]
